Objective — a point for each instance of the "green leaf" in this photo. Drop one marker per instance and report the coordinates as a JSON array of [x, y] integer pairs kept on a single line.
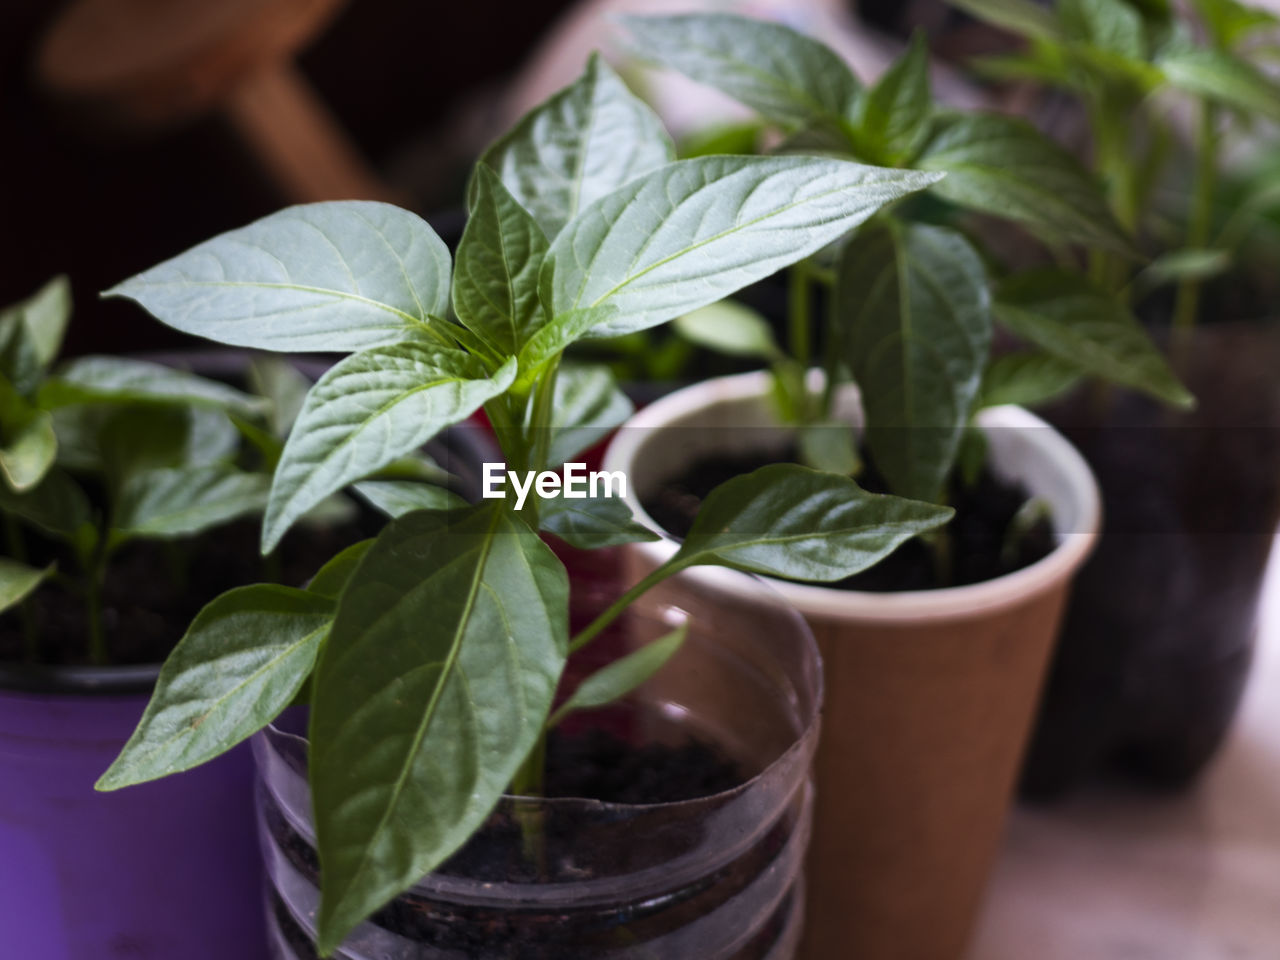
[[17, 581], [31, 333], [433, 687], [365, 412], [592, 522], [495, 287], [46, 315], [1156, 11], [1027, 379], [1127, 79], [695, 231], [1023, 17], [917, 315], [587, 407], [212, 437], [1179, 265], [789, 78], [1005, 167], [625, 674], [28, 444], [57, 506], [1062, 315], [892, 119], [117, 440], [830, 447], [282, 386], [18, 363], [1110, 25], [320, 277], [242, 660], [1229, 21], [331, 579], [395, 498], [790, 391], [789, 521], [730, 328], [121, 380], [187, 500], [78, 429], [331, 512], [135, 438], [416, 466], [1224, 77], [743, 137], [582, 143], [561, 332], [1048, 65]]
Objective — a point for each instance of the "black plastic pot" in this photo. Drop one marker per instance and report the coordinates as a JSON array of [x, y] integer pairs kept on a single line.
[[1159, 634]]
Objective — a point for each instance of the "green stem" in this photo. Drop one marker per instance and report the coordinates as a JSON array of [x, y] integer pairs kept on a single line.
[[510, 438], [941, 548], [529, 780], [832, 350], [1187, 305], [799, 334], [272, 570], [820, 274], [540, 427], [1111, 159], [18, 548], [600, 623], [97, 630], [532, 817]]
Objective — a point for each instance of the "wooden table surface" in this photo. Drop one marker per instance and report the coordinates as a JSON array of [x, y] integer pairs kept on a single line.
[[1116, 875]]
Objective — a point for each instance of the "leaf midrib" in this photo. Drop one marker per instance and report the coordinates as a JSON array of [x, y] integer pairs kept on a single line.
[[818, 109], [776, 211], [188, 730], [446, 670], [297, 287], [794, 538], [310, 468]]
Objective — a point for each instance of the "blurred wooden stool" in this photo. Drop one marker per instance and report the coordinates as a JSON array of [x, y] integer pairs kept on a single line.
[[148, 64]]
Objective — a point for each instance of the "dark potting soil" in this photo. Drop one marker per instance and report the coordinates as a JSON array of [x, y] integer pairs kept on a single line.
[[153, 589], [579, 844], [977, 534], [599, 765]]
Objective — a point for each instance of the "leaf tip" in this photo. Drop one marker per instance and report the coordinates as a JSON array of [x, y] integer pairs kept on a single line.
[[273, 529], [111, 780], [332, 927]]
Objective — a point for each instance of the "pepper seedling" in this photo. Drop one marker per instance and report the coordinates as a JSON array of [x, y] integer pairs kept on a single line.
[[911, 296], [434, 652]]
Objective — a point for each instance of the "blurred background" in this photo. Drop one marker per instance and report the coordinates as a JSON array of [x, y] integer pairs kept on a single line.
[[133, 129], [136, 128], [128, 133]]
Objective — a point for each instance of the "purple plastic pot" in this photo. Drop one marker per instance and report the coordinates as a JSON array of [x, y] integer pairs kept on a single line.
[[161, 871]]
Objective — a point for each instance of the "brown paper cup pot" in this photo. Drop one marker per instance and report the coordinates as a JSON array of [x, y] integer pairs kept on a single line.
[[930, 694]]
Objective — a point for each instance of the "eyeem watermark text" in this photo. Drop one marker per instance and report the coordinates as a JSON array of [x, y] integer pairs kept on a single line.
[[575, 483]]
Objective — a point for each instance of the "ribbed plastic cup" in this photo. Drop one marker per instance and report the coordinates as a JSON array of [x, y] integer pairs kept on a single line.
[[717, 878]]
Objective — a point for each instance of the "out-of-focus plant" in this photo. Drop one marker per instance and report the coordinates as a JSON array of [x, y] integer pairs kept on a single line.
[[1129, 61], [912, 300], [98, 452]]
